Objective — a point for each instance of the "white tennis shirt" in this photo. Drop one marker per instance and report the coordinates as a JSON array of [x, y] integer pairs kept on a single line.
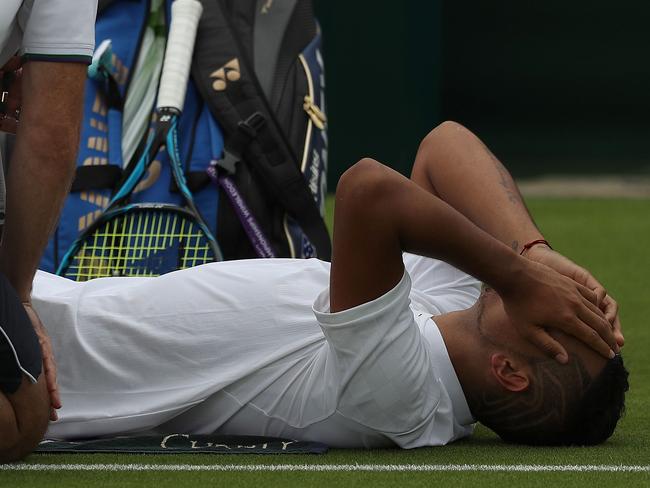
[[249, 348], [47, 29]]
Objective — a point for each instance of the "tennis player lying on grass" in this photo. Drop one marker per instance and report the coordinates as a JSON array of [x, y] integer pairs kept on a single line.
[[399, 350]]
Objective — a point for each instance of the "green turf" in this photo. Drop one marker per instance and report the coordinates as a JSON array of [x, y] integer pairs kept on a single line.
[[611, 238]]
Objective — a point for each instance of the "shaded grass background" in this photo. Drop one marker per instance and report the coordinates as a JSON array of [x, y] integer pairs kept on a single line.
[[611, 238]]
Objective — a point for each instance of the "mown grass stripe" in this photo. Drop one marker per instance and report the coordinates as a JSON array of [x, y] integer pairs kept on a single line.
[[333, 467]]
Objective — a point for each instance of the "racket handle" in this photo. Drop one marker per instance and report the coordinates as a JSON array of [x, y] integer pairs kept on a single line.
[[178, 55]]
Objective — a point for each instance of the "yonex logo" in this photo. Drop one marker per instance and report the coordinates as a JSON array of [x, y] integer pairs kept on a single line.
[[229, 72]]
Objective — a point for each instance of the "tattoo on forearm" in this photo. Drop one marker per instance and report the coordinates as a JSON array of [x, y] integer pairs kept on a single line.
[[506, 180], [514, 245]]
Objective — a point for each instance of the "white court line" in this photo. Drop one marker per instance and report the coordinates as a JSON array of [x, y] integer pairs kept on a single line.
[[535, 468]]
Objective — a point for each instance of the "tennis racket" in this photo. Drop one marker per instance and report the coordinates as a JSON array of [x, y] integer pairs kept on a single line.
[[150, 239]]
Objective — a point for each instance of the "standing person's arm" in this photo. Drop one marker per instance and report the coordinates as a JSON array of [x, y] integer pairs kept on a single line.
[[455, 165], [40, 173]]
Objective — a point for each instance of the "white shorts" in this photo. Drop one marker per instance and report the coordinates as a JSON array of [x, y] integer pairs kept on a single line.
[[48, 30]]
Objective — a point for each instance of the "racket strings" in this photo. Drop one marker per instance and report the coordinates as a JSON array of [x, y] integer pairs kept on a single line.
[[141, 243]]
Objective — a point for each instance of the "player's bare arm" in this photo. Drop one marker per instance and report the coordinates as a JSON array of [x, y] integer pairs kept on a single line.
[[40, 173], [379, 214], [455, 165]]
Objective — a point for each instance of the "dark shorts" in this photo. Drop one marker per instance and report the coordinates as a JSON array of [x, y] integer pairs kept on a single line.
[[20, 352]]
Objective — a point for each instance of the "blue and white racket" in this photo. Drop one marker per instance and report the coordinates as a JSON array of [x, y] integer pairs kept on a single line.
[[151, 239]]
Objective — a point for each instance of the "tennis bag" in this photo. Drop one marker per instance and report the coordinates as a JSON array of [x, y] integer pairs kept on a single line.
[[258, 67], [262, 197]]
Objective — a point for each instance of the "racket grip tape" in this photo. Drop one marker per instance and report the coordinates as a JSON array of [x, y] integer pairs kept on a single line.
[[178, 55]]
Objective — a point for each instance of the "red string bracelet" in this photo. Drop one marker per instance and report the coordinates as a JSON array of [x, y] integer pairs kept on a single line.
[[534, 243]]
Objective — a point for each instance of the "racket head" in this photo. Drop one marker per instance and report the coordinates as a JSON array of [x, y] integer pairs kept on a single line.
[[179, 176], [138, 240]]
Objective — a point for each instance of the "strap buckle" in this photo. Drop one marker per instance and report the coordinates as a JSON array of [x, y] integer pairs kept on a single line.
[[240, 140], [252, 125], [228, 163]]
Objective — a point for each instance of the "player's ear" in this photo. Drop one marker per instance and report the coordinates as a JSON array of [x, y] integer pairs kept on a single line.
[[513, 374]]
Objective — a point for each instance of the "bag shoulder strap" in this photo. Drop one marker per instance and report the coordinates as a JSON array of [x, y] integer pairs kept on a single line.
[[223, 75]]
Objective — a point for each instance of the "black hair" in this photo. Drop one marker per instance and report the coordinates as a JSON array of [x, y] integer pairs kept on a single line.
[[600, 408]]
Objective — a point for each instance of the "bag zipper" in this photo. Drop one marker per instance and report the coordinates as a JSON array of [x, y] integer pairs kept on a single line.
[[315, 113], [317, 118]]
